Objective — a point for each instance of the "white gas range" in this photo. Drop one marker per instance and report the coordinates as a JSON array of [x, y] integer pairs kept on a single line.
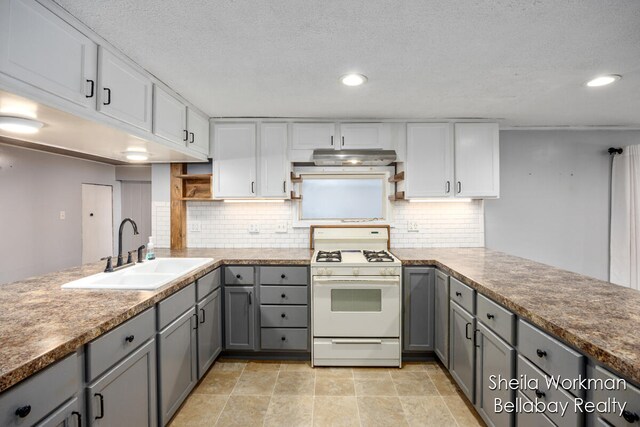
[[356, 290]]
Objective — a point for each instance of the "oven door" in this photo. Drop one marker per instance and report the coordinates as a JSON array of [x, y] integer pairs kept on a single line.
[[346, 306]]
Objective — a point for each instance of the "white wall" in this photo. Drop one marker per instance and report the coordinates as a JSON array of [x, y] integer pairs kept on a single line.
[[34, 187], [554, 194]]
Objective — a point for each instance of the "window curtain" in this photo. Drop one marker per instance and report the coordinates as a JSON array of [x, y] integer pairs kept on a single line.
[[625, 218]]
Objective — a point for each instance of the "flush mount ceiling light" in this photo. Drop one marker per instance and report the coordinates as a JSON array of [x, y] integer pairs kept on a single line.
[[603, 80], [20, 124], [136, 155], [353, 79]]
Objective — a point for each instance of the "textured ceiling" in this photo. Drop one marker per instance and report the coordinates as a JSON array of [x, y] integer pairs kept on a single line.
[[521, 61]]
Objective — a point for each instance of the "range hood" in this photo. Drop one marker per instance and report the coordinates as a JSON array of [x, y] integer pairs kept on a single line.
[[353, 157]]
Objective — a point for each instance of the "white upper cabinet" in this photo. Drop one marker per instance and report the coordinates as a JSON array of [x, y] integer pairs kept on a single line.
[[39, 48], [198, 126], [309, 136], [124, 93], [477, 160], [360, 136], [429, 165], [234, 161], [169, 117], [273, 161]]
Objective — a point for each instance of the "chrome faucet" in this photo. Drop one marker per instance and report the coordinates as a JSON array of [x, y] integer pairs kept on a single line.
[[135, 231]]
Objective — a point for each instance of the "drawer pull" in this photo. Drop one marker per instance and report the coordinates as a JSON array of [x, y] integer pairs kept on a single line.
[[466, 330], [283, 338], [101, 405], [283, 315], [490, 316], [630, 417], [77, 414], [238, 276], [540, 394], [282, 276], [129, 338], [283, 296], [541, 353], [458, 294], [23, 411]]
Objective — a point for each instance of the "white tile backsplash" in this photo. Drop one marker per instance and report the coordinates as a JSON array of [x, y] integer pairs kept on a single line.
[[226, 225]]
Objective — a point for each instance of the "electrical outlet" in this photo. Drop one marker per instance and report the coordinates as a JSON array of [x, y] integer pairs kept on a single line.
[[63, 215], [253, 228], [281, 227], [412, 226], [195, 226]]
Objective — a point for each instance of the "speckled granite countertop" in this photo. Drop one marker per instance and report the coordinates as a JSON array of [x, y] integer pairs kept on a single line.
[[41, 323], [598, 318]]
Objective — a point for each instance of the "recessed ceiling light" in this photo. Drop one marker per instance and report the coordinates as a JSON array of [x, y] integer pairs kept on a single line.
[[353, 79], [19, 124], [136, 155], [603, 80]]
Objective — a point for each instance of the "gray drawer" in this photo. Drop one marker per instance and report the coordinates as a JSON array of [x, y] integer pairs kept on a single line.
[[207, 283], [284, 339], [551, 394], [110, 348], [284, 316], [238, 275], [497, 318], [283, 295], [630, 396], [549, 354], [532, 419], [462, 294], [43, 392], [284, 275], [171, 308]]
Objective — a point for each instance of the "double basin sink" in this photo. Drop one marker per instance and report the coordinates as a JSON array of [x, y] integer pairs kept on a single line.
[[146, 276]]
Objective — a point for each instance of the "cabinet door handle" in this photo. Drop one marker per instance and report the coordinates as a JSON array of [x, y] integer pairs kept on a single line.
[[332, 140], [101, 405], [448, 187], [93, 87], [466, 331], [186, 135], [129, 338], [475, 338], [77, 414], [343, 141], [196, 316], [108, 96], [250, 295], [203, 315], [459, 187], [252, 184], [541, 353], [23, 411], [193, 138], [284, 186]]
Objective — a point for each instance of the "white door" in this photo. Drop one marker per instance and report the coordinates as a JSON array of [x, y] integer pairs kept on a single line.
[[274, 162], [360, 135], [169, 117], [97, 222], [124, 93], [477, 161], [198, 126], [41, 49], [309, 136], [429, 165], [234, 160]]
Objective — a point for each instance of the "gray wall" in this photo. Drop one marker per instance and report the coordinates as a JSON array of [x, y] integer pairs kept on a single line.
[[34, 188], [554, 195]]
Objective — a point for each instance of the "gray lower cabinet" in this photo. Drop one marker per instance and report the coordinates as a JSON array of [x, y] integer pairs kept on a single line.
[[441, 318], [239, 318], [209, 331], [177, 358], [418, 309], [126, 394], [68, 415], [494, 359], [461, 348]]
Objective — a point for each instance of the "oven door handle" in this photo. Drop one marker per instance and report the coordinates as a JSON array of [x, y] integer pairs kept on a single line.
[[352, 341], [356, 280]]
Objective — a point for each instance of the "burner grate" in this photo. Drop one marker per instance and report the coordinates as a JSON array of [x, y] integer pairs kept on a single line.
[[329, 256], [377, 256]]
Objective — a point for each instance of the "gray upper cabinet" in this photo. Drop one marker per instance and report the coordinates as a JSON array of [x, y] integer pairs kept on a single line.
[[169, 117], [198, 126], [441, 316], [239, 317], [39, 48], [494, 358], [418, 309], [177, 357], [126, 395], [461, 348], [209, 331], [124, 92]]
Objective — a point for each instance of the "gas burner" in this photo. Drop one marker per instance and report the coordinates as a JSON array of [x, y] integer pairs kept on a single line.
[[329, 256], [377, 256]]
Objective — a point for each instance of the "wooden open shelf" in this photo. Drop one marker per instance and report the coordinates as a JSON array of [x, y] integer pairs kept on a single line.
[[196, 187], [399, 195]]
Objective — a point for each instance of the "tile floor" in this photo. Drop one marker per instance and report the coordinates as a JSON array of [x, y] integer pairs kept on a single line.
[[266, 393]]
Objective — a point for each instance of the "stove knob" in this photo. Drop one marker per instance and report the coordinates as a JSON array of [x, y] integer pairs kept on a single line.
[[356, 271]]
